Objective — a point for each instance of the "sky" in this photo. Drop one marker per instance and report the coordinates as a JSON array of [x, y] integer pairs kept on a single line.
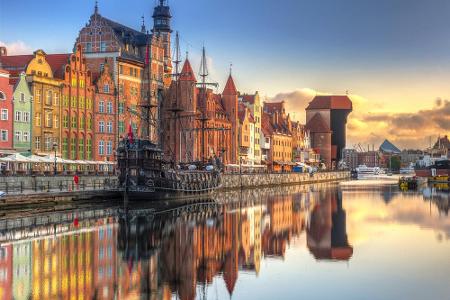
[[391, 56]]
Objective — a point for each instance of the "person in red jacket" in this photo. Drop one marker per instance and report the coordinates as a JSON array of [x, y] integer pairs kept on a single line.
[[76, 180]]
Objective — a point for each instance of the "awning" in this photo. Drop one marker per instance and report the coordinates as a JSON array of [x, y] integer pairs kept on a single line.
[[17, 157]]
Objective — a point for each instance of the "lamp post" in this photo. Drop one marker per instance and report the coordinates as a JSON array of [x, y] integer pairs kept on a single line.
[[55, 145]]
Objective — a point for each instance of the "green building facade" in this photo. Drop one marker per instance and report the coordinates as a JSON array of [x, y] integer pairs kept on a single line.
[[22, 115]]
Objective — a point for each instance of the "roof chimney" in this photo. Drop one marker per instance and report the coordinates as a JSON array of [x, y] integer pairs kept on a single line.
[[3, 51]]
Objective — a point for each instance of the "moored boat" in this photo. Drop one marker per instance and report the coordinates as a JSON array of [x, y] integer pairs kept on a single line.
[[145, 175]]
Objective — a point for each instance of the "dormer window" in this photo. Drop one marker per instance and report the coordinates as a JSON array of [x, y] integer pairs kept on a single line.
[[106, 88]]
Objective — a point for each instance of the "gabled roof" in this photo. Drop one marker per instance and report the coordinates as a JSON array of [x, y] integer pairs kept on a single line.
[[230, 87], [318, 124], [126, 34], [388, 147], [272, 107], [18, 63], [248, 98], [330, 102], [15, 64], [187, 74], [442, 143], [58, 62]]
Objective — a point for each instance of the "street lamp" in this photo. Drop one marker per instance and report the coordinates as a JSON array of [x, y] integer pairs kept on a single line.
[[55, 145]]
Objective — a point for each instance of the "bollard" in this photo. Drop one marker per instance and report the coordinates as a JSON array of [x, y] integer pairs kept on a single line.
[[60, 186], [21, 187]]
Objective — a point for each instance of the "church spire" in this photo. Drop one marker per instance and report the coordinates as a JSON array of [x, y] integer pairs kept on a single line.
[[96, 8], [143, 30]]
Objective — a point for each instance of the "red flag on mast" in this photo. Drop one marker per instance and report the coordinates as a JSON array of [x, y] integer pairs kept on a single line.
[[130, 133]]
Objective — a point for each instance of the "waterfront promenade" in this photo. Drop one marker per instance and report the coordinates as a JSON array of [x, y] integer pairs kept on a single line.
[[36, 189]]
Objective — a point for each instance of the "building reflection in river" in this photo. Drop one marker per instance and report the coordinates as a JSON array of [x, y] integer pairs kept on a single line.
[[159, 255]]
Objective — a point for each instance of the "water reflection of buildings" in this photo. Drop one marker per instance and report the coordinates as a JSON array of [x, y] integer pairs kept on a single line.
[[157, 255], [327, 232]]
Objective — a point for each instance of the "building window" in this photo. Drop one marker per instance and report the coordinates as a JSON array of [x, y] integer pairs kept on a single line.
[[101, 126], [18, 116], [121, 69], [48, 119], [38, 119], [74, 122], [2, 96], [26, 117], [65, 101], [4, 115], [109, 148], [106, 88], [81, 102], [121, 126], [101, 146], [37, 143], [48, 100], [110, 107], [81, 149], [109, 127], [89, 123], [121, 107], [37, 95], [56, 99], [22, 97], [4, 135], [48, 143], [18, 136], [73, 103], [66, 121], [89, 149], [25, 136], [65, 147], [73, 148], [88, 47], [56, 122], [103, 47], [82, 121], [101, 106]]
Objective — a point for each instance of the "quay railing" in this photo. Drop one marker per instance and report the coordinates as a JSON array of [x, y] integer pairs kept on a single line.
[[58, 186]]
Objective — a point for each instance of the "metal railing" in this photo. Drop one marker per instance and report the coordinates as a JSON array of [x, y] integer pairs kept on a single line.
[[45, 186]]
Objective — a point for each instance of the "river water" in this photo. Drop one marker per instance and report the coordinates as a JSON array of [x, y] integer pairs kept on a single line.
[[348, 241]]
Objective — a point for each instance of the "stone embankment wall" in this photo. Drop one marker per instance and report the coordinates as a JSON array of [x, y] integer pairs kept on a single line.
[[32, 184], [231, 181]]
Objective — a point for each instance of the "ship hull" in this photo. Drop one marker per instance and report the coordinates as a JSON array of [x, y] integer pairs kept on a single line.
[[427, 172]]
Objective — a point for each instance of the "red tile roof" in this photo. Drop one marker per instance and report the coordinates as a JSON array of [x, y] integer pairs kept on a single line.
[[18, 63], [58, 62], [187, 74], [330, 102], [230, 87], [317, 124], [249, 98], [272, 107]]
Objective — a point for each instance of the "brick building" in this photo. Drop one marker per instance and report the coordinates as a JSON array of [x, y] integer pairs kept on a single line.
[[278, 127], [186, 106], [326, 119], [246, 135], [139, 61], [77, 107], [6, 113], [105, 109], [253, 102]]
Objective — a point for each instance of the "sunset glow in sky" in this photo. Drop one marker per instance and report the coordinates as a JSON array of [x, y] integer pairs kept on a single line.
[[393, 57]]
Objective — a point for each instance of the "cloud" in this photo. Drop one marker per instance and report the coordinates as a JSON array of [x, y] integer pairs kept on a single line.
[[370, 124], [17, 47]]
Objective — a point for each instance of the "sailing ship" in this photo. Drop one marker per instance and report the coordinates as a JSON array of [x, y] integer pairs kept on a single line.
[[146, 173]]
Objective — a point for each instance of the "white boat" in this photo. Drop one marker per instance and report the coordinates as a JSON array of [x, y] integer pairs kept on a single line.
[[2, 194], [364, 171]]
